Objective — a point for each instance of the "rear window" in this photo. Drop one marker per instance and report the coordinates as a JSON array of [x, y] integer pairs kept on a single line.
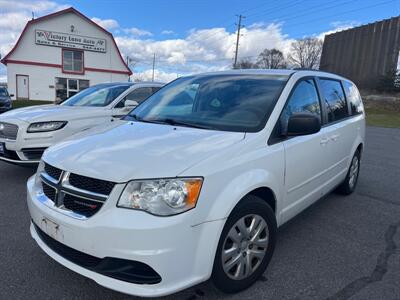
[[334, 99], [353, 96]]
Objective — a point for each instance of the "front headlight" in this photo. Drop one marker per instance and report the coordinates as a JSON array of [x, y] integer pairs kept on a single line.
[[162, 197], [46, 126]]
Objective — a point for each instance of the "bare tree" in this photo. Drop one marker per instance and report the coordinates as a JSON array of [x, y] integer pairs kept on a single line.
[[306, 53], [245, 63], [271, 59]]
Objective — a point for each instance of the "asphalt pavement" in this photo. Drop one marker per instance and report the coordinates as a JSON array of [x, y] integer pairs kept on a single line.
[[339, 248]]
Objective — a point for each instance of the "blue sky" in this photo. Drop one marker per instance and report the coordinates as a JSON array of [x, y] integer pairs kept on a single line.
[[199, 35], [299, 17]]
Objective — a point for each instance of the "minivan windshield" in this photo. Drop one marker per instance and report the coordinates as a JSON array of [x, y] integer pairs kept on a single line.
[[98, 95], [241, 103]]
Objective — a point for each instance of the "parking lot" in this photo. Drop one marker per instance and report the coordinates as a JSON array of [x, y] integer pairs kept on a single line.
[[340, 248]]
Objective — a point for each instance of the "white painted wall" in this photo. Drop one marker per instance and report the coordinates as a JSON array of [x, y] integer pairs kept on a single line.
[[41, 78]]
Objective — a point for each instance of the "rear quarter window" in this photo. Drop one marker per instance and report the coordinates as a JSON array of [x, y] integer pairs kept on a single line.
[[354, 97], [334, 99]]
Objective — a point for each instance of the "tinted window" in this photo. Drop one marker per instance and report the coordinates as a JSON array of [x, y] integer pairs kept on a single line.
[[334, 99], [156, 88], [354, 98], [304, 99], [138, 95], [222, 102]]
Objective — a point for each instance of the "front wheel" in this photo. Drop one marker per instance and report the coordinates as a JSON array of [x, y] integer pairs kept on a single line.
[[246, 245], [350, 182]]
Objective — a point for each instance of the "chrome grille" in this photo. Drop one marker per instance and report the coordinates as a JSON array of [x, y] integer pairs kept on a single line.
[[83, 197], [8, 131]]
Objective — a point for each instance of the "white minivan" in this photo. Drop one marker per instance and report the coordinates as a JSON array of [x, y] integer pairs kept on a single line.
[[26, 132], [195, 185]]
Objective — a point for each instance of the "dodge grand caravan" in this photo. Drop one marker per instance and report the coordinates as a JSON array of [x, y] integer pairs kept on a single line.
[[197, 181], [26, 132]]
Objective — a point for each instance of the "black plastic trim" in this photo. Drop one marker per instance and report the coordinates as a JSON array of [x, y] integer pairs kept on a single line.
[[117, 268]]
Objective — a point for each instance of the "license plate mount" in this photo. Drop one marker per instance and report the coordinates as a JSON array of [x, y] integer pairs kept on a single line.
[[52, 229]]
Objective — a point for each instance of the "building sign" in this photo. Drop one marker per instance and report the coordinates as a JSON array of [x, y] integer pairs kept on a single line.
[[67, 40]]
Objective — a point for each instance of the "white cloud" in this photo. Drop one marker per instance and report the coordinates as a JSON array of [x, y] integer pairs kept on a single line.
[[201, 50], [166, 32], [108, 24], [30, 6], [13, 17], [338, 26], [133, 31]]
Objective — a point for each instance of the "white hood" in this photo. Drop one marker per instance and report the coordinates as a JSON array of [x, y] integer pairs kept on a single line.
[[42, 113], [135, 150]]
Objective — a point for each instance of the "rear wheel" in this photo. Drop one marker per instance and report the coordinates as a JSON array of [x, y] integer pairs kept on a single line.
[[246, 245], [349, 184]]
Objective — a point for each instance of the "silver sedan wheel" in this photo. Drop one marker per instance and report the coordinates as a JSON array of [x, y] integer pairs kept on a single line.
[[353, 172], [245, 247]]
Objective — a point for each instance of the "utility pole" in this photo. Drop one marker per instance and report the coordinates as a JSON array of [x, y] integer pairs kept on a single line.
[[237, 39], [154, 62]]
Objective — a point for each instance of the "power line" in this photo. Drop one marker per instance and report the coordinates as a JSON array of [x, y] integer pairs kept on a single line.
[[292, 16], [291, 25], [279, 7], [341, 13]]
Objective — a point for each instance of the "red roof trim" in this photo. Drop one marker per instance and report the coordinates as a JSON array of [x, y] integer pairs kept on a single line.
[[34, 63], [61, 12]]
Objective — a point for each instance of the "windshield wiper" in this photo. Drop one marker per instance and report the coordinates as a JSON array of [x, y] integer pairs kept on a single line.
[[181, 123], [136, 118], [170, 122]]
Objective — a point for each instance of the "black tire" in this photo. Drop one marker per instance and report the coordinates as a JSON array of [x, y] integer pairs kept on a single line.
[[347, 187], [250, 205]]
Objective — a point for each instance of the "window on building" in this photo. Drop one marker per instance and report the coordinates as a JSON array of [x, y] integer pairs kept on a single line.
[[72, 61], [334, 100], [67, 87], [354, 98], [304, 99]]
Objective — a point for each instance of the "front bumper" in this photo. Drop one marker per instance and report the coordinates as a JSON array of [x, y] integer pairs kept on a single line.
[[181, 253], [27, 149]]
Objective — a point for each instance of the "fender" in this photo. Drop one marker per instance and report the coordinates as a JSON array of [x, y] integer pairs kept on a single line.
[[239, 187]]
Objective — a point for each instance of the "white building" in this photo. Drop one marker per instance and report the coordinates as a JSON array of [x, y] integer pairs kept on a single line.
[[59, 54]]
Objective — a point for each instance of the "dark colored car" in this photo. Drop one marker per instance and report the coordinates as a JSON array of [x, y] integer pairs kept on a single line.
[[5, 100]]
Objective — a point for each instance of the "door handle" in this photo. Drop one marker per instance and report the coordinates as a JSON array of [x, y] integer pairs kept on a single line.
[[335, 137], [324, 141]]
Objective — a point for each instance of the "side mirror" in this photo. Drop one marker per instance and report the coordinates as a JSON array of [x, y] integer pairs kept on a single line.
[[303, 124], [11, 95], [131, 103]]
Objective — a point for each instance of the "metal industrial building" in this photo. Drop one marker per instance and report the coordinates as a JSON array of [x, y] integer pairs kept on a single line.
[[363, 54]]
